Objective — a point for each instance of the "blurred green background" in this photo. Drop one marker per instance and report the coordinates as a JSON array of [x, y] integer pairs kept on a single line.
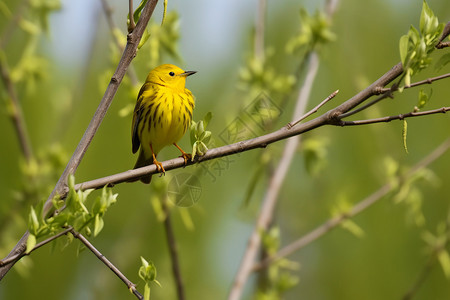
[[216, 40]]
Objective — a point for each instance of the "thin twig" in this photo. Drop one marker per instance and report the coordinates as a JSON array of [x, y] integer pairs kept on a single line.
[[445, 34], [314, 110], [420, 279], [365, 106], [388, 92], [15, 112], [37, 246], [130, 285], [414, 84], [357, 209], [127, 56], [396, 117], [173, 250], [132, 25]]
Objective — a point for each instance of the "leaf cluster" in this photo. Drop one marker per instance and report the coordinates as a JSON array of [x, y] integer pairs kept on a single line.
[[417, 45], [147, 272], [75, 214], [200, 137], [314, 32]]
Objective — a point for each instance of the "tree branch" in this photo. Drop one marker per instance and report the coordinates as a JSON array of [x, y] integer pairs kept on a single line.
[[131, 286], [396, 117], [132, 25], [355, 210], [127, 56], [37, 246], [172, 245]]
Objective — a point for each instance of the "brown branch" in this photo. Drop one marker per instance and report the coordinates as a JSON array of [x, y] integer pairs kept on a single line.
[[172, 244], [15, 112], [12, 259], [315, 109], [356, 209], [127, 56], [388, 92], [445, 33], [131, 286], [426, 81], [396, 117], [132, 25]]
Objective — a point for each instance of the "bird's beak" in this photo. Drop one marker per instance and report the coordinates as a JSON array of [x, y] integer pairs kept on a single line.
[[188, 73]]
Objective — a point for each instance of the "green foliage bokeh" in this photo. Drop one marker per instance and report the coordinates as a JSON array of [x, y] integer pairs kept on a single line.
[[59, 103]]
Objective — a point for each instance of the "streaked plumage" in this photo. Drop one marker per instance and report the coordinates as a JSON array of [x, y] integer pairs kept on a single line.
[[162, 114]]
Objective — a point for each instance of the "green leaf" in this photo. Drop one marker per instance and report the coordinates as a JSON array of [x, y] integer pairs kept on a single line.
[[353, 228], [315, 155], [423, 99], [31, 242], [207, 118], [403, 46], [98, 224], [444, 260], [137, 12], [404, 133], [164, 12], [33, 221], [144, 39], [147, 271]]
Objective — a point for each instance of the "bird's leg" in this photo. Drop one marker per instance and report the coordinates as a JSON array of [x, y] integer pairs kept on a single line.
[[159, 165], [184, 155]]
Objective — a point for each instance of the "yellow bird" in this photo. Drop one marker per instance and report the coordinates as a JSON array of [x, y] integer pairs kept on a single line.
[[162, 114]]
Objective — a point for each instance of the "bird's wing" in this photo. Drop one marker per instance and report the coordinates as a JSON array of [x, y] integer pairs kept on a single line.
[[137, 116]]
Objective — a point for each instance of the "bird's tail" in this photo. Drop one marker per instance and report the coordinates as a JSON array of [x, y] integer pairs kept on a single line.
[[142, 161]]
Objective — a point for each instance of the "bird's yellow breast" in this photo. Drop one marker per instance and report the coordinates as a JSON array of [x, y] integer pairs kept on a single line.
[[168, 115]]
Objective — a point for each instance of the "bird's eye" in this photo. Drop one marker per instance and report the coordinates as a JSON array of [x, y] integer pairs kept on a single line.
[[172, 74]]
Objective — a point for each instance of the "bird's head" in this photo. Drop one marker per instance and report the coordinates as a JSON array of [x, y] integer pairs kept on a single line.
[[170, 76]]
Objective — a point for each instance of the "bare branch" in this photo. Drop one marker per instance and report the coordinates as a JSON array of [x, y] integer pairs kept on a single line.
[[131, 286], [357, 209], [388, 92], [315, 109], [132, 25], [37, 246], [426, 81], [397, 117], [445, 33]]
